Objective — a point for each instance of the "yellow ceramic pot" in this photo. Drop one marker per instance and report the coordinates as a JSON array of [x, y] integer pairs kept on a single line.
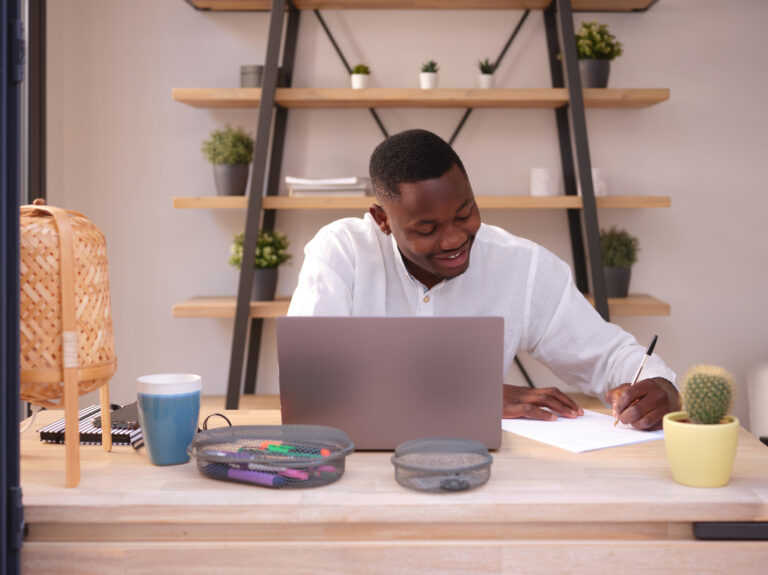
[[700, 455]]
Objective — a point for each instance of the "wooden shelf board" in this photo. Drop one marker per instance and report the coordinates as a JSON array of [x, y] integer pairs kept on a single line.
[[224, 307], [578, 5], [363, 202], [415, 98], [635, 305]]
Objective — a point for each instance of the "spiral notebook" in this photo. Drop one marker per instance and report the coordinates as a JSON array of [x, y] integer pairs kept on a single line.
[[89, 433]]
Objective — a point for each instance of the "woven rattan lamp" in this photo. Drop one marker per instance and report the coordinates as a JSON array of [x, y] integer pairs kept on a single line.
[[67, 345]]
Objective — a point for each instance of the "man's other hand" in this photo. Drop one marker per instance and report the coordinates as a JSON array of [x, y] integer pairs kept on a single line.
[[528, 403], [644, 404]]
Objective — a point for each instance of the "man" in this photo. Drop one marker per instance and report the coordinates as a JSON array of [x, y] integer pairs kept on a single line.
[[423, 251]]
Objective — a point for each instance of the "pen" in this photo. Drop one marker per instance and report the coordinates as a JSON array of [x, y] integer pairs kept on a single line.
[[640, 369]]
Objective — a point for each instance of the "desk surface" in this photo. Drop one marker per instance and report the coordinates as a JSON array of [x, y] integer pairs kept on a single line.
[[536, 492]]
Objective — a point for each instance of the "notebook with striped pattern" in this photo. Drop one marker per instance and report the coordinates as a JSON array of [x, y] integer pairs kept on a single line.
[[89, 434]]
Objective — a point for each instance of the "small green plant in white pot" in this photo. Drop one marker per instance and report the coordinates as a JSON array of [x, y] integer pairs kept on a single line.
[[618, 250], [271, 252], [486, 77], [701, 440], [428, 75], [596, 47], [359, 77], [230, 151]]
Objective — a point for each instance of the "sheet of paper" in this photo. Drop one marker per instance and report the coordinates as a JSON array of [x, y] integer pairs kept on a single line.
[[590, 431]]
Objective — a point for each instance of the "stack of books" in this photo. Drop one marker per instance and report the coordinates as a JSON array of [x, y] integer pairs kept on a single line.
[[306, 187]]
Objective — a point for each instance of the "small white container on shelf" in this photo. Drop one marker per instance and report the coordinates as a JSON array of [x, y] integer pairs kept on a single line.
[[599, 183], [544, 182], [486, 81], [428, 80], [359, 81]]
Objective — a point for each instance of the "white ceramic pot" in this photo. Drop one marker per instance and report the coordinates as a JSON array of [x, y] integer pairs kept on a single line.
[[428, 80], [359, 81], [485, 81]]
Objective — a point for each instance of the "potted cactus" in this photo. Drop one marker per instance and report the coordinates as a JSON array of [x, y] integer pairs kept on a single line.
[[428, 76], [359, 77], [701, 440], [619, 253], [596, 47], [230, 151], [271, 251], [485, 79]]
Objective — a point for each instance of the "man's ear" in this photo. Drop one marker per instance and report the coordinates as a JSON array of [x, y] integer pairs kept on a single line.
[[380, 217]]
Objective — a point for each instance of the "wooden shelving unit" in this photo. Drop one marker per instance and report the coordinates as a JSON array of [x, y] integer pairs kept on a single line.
[[363, 202], [565, 98], [499, 98], [578, 5], [224, 307]]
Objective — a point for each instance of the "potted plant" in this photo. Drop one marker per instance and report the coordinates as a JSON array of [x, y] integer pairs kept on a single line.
[[487, 69], [618, 250], [596, 47], [701, 440], [428, 76], [271, 251], [230, 151], [360, 75]]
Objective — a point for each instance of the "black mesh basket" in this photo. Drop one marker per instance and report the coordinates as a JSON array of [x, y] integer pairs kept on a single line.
[[442, 465], [276, 456]]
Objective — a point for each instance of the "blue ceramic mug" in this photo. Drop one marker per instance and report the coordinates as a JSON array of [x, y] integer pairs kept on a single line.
[[169, 408]]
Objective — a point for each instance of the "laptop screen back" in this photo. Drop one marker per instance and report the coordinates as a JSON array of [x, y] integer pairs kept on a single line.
[[387, 380]]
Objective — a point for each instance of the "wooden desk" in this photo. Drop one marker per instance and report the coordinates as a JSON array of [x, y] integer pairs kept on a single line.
[[544, 510]]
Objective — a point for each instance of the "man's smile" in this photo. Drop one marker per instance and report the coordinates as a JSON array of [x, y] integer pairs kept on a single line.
[[455, 258]]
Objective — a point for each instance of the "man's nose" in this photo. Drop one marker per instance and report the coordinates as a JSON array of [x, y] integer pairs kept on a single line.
[[452, 238]]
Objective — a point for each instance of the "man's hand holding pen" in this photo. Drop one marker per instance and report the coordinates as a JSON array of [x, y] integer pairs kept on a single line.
[[643, 404]]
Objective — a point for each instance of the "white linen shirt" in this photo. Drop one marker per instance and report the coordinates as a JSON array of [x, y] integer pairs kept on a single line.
[[351, 268]]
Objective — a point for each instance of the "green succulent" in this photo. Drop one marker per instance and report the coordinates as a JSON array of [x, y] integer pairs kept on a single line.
[[430, 66], [618, 248], [271, 249], [594, 41], [361, 69], [707, 393], [486, 66], [228, 146]]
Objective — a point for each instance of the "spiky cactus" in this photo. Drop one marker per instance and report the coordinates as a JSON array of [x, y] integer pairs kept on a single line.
[[707, 393]]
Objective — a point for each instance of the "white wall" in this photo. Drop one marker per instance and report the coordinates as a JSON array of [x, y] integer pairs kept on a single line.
[[119, 149]]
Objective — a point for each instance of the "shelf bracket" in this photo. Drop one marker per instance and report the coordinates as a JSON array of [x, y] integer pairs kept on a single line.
[[253, 215], [348, 68], [578, 123], [495, 67]]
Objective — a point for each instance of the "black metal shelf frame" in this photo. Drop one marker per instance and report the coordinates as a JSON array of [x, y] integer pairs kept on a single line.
[[572, 135]]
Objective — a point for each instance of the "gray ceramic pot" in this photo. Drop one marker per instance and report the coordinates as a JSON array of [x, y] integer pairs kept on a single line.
[[231, 179], [617, 281], [594, 73], [264, 284]]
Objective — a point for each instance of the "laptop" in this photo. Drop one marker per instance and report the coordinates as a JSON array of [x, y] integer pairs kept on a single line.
[[386, 380]]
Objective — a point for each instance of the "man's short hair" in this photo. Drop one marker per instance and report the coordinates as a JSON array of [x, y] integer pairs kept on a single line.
[[410, 156]]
